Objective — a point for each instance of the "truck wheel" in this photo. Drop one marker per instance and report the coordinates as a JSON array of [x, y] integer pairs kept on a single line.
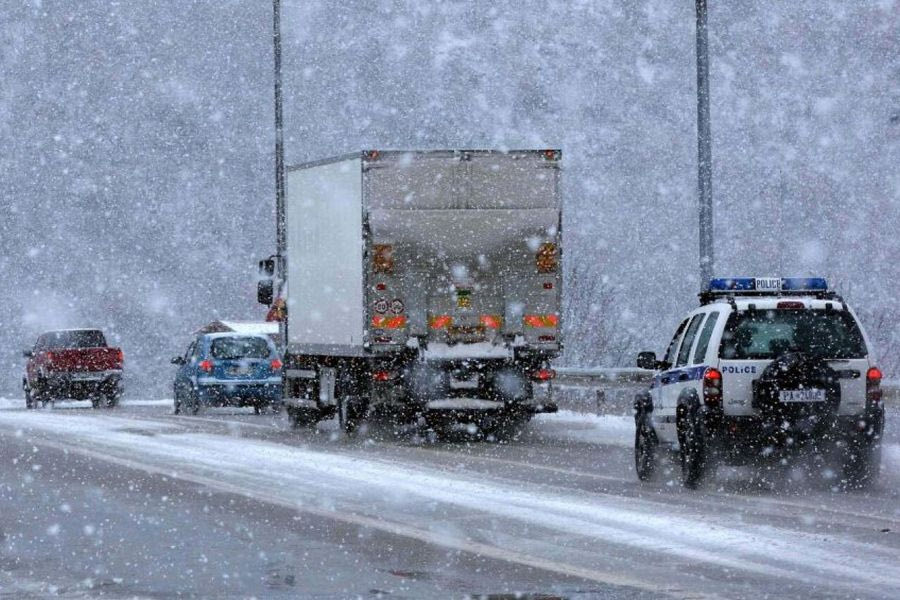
[[350, 412], [645, 443], [301, 418], [693, 451]]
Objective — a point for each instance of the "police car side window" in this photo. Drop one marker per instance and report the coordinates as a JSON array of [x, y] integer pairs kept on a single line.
[[705, 336], [688, 341], [673, 345]]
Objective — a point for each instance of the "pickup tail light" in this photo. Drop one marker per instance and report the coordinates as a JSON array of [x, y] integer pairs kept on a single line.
[[206, 366], [120, 357], [543, 375], [873, 385], [712, 387]]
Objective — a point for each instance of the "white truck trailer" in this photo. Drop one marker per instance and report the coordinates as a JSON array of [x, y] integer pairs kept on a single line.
[[420, 284]]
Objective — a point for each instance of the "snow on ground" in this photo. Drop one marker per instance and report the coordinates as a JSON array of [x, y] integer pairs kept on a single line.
[[411, 498], [571, 426]]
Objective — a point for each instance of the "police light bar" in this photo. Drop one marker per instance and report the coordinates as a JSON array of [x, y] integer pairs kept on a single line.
[[771, 285]]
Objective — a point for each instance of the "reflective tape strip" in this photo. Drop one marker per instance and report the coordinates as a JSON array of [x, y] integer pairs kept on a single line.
[[301, 373]]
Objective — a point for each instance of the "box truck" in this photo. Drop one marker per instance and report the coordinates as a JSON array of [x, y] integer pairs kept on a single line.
[[420, 285]]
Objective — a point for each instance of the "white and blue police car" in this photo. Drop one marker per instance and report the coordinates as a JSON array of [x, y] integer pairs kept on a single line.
[[764, 369]]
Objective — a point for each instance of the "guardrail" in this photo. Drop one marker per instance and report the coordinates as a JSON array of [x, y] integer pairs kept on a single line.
[[611, 390]]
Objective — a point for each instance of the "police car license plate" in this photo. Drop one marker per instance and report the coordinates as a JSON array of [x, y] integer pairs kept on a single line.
[[810, 395]]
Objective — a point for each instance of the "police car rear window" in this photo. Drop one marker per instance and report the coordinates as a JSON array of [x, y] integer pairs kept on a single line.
[[766, 334]]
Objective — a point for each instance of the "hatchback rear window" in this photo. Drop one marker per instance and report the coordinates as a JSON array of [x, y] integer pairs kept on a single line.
[[766, 334], [226, 348], [61, 340]]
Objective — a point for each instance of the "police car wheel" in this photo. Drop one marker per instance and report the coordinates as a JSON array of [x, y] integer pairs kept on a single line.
[[693, 452], [862, 464], [645, 444]]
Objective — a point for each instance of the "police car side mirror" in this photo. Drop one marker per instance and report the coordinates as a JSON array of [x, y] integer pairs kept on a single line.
[[647, 360]]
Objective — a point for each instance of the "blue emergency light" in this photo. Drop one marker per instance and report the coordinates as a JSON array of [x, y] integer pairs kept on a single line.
[[762, 285]]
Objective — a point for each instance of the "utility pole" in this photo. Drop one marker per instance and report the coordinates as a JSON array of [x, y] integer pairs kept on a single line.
[[704, 151], [280, 238]]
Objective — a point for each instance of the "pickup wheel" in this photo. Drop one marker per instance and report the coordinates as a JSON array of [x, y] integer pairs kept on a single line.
[[111, 400], [29, 401], [862, 464]]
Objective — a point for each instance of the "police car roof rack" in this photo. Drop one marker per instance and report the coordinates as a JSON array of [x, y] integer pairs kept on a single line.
[[760, 287]]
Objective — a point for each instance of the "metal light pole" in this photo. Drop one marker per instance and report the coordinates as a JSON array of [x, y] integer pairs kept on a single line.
[[280, 241], [704, 151]]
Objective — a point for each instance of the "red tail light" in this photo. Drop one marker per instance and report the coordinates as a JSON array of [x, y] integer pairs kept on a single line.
[[712, 387], [440, 321], [543, 375], [120, 356], [206, 366], [491, 321], [551, 320], [383, 322], [382, 375], [873, 385], [276, 364]]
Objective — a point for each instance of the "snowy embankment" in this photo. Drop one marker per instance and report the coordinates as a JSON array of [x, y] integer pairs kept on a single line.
[[559, 530]]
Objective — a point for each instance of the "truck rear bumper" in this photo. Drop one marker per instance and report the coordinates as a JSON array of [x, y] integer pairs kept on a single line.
[[82, 385]]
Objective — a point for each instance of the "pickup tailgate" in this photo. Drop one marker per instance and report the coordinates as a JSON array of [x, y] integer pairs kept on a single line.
[[85, 359]]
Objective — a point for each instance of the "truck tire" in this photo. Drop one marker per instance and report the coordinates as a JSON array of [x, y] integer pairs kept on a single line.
[[301, 418], [351, 410]]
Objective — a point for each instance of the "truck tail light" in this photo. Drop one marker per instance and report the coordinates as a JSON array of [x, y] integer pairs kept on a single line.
[[440, 322], [276, 364], [546, 258], [712, 387], [382, 376], [206, 366], [385, 322], [383, 258], [491, 321], [543, 375], [873, 385], [549, 320]]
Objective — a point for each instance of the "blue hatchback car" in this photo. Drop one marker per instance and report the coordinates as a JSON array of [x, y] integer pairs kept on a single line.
[[228, 369]]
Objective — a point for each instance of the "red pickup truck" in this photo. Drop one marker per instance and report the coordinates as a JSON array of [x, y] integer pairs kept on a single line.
[[73, 364]]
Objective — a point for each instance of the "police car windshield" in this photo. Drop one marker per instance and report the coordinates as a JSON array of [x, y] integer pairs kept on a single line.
[[766, 334]]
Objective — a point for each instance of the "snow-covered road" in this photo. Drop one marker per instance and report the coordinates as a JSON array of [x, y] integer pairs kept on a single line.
[[562, 501]]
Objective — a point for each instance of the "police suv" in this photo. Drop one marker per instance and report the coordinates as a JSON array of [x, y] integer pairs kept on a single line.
[[763, 369]]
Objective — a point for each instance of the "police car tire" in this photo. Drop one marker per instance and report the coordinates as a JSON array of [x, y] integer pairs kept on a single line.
[[645, 451], [862, 464], [693, 451]]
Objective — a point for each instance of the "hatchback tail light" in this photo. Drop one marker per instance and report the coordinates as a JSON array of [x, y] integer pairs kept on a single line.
[[120, 357], [712, 387], [276, 364], [873, 385], [206, 366]]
